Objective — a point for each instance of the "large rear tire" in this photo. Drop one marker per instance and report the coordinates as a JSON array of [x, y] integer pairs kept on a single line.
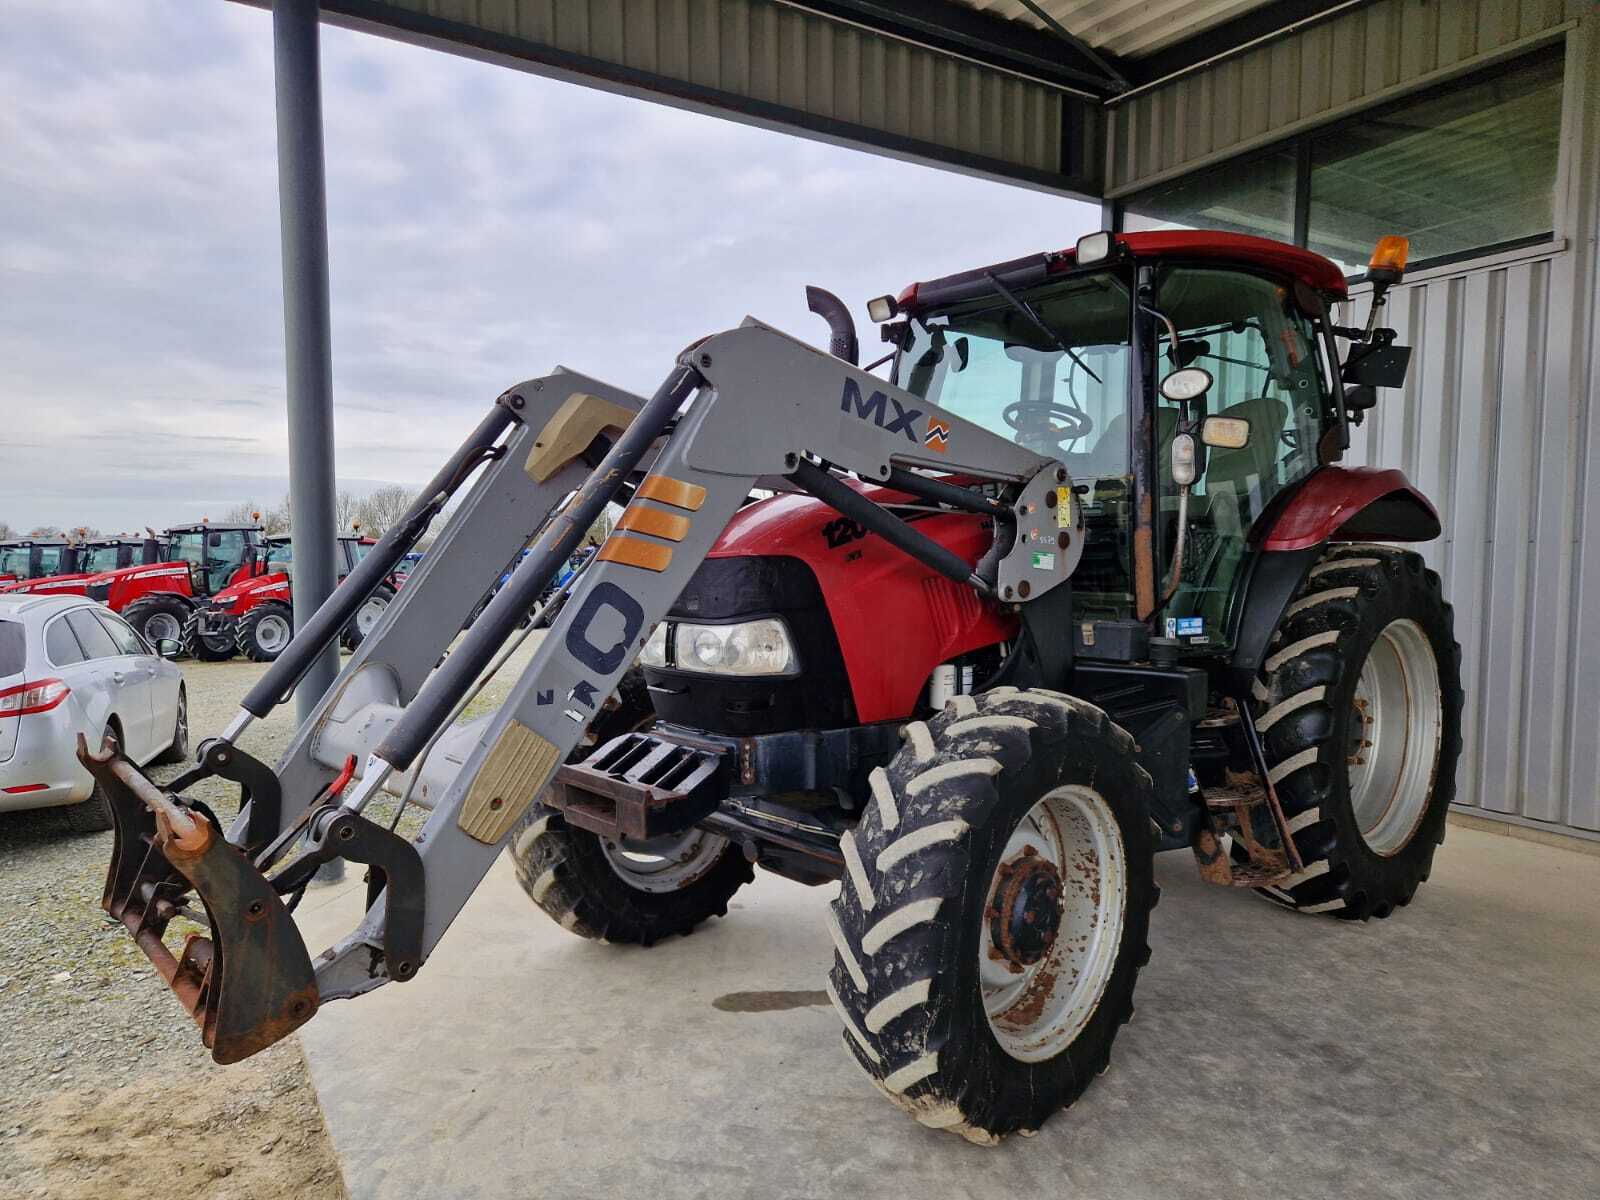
[[157, 618], [1359, 707], [992, 919], [635, 893], [366, 618]]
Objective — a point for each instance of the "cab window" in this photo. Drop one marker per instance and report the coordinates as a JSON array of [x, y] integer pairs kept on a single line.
[[1265, 360]]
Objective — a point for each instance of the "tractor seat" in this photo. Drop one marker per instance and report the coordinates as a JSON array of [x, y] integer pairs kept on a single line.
[[1258, 457]]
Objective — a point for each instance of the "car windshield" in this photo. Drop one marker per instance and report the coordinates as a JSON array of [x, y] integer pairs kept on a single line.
[[1060, 390]]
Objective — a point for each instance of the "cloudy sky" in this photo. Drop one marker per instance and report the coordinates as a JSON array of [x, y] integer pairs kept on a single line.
[[485, 225]]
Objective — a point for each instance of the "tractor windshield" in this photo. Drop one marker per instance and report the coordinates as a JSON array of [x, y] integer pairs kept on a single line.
[[100, 558], [14, 560], [1061, 390]]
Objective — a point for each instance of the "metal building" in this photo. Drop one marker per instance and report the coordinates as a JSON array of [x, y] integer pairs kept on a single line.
[[1473, 126]]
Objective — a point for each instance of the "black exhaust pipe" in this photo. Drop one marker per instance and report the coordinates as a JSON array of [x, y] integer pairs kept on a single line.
[[842, 343]]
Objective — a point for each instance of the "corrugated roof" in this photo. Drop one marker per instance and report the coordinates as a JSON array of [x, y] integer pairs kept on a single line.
[[1125, 28]]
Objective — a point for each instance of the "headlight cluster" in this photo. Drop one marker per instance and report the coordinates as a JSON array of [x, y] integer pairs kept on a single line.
[[748, 648]]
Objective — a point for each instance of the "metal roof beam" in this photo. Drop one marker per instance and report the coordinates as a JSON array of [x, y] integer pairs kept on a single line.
[[1258, 25], [971, 33]]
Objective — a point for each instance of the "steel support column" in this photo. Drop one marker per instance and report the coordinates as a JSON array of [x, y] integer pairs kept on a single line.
[[303, 219]]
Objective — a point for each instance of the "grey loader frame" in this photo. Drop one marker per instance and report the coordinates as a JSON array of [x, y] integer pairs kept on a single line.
[[747, 408]]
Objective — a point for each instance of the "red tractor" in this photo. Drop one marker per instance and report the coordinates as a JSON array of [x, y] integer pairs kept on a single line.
[[27, 559], [254, 616], [1081, 580], [156, 598], [87, 559]]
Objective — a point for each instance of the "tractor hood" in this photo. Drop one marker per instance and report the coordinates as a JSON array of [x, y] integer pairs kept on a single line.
[[98, 587], [238, 598], [52, 585], [869, 589]]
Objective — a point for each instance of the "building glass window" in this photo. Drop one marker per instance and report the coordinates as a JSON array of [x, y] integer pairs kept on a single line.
[[1471, 168], [1464, 169], [1256, 197]]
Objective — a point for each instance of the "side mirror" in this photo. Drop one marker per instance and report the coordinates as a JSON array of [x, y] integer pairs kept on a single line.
[[168, 648], [1227, 433], [1357, 399], [1185, 384], [214, 540]]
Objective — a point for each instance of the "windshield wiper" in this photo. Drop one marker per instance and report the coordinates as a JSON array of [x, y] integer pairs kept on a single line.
[[1027, 310]]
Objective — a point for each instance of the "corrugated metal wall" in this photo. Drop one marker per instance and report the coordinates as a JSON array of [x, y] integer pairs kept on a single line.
[[1499, 422], [772, 64], [1350, 61]]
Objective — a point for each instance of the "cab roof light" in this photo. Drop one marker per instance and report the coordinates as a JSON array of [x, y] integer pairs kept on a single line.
[[1388, 261]]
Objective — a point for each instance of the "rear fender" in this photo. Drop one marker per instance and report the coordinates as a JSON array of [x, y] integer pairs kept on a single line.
[[1347, 504]]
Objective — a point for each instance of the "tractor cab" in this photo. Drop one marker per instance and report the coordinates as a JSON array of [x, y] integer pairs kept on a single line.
[[34, 558], [1191, 385], [217, 555]]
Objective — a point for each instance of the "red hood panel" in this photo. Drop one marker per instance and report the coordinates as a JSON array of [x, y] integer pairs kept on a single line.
[[895, 619]]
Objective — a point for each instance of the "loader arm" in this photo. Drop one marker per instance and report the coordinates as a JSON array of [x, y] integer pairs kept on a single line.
[[745, 408]]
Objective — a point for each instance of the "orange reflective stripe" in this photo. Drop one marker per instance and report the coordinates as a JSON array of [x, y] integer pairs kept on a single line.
[[675, 492], [655, 522], [635, 552]]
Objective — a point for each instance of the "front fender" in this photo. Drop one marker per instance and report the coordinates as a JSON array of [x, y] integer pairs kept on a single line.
[[1346, 504]]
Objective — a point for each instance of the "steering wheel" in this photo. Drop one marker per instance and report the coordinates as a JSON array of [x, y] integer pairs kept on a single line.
[[1075, 422]]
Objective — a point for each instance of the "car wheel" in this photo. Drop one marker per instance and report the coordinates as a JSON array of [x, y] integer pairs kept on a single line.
[[94, 814], [178, 751]]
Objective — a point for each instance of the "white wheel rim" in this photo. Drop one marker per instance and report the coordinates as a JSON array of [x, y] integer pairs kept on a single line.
[[272, 633], [1397, 725], [1037, 1010], [162, 627], [664, 864], [367, 616]]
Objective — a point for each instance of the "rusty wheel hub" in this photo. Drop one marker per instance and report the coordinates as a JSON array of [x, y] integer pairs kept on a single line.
[[1026, 915]]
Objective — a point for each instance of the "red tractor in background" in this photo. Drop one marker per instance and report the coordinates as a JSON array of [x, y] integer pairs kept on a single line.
[[156, 598], [26, 559], [86, 559], [254, 616]]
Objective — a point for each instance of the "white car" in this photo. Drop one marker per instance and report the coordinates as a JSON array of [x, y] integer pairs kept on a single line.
[[69, 666]]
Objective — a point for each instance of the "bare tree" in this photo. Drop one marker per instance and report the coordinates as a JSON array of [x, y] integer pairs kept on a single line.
[[383, 508], [273, 521], [7, 533], [346, 509]]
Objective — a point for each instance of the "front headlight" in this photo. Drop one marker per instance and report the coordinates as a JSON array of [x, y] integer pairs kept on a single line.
[[748, 648], [654, 653]]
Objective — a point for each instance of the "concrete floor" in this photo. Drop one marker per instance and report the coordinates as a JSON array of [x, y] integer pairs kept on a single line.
[[1451, 1051]]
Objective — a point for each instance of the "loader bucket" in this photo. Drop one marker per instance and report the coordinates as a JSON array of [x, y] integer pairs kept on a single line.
[[249, 983]]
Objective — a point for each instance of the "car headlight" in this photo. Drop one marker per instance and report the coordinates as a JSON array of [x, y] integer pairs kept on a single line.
[[747, 648]]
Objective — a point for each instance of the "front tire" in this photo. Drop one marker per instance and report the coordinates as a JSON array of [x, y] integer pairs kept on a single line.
[[1359, 707], [992, 919], [205, 647], [628, 893], [264, 632]]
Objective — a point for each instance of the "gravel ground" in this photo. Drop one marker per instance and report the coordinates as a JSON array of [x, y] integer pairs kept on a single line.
[[98, 1065], [105, 1089]]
